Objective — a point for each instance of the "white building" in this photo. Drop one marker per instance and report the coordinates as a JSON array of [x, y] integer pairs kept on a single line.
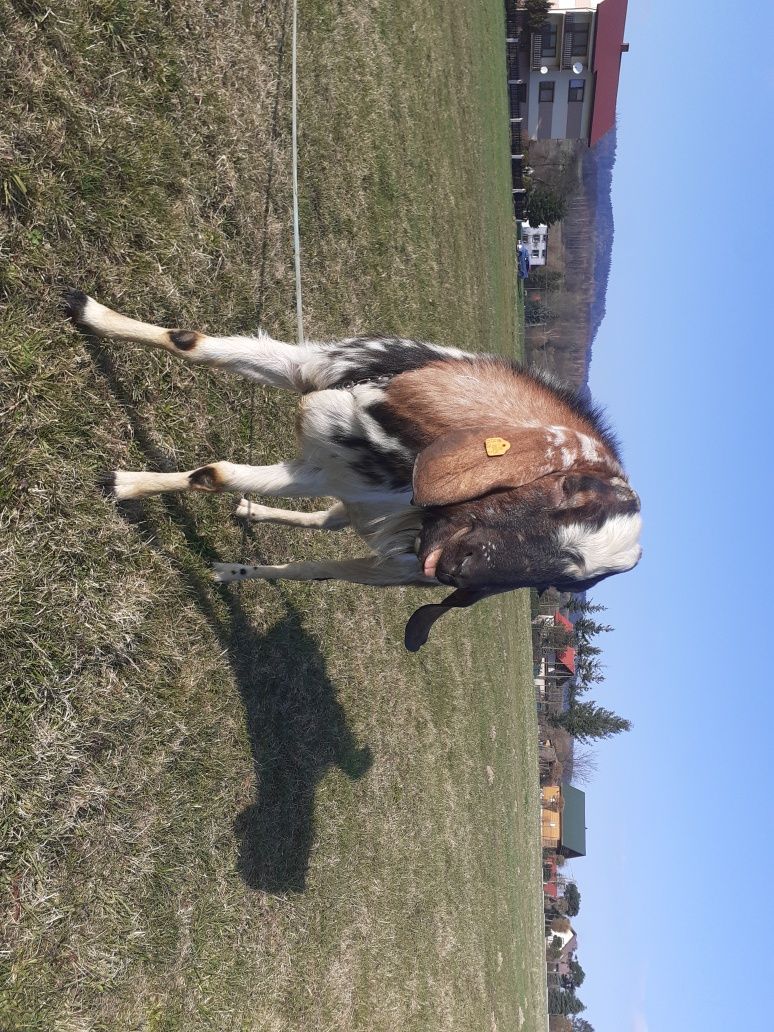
[[568, 89], [535, 239]]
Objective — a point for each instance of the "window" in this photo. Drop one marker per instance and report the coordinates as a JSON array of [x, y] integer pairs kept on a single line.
[[546, 93], [548, 40], [536, 254], [577, 87], [580, 41]]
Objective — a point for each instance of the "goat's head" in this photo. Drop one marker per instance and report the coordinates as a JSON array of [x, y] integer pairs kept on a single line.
[[520, 507]]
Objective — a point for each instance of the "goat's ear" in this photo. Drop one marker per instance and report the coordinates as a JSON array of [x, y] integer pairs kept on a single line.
[[466, 464], [422, 619]]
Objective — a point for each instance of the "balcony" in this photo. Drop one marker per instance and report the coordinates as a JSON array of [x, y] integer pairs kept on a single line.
[[545, 48], [562, 42], [576, 41]]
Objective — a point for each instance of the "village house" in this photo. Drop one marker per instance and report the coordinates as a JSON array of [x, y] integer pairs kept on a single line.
[[535, 239], [554, 666], [563, 820], [568, 75]]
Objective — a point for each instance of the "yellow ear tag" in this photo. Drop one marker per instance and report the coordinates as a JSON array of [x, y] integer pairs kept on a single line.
[[496, 446]]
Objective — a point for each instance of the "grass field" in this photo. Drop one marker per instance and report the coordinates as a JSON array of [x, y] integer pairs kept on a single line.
[[249, 808]]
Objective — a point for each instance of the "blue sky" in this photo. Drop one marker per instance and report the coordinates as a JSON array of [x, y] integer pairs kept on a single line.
[[680, 812]]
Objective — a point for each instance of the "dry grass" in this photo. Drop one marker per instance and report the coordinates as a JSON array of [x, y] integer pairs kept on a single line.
[[245, 809]]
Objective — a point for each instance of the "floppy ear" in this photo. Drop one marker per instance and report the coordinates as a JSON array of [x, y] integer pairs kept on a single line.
[[422, 619], [466, 464]]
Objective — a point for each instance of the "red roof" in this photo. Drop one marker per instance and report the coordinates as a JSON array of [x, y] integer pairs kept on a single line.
[[567, 659], [567, 656], [608, 47], [561, 619]]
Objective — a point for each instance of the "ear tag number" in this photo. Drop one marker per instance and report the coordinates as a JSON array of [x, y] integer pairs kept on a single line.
[[496, 446]]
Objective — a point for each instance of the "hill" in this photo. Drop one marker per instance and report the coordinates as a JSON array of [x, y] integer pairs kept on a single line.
[[574, 286]]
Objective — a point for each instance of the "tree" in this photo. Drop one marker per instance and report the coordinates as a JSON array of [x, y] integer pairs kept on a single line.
[[564, 1001], [572, 1004], [578, 604], [545, 206], [555, 636], [585, 628], [581, 766], [536, 313], [554, 908], [588, 670], [581, 1025], [537, 12], [572, 897], [587, 722], [577, 974], [559, 1023]]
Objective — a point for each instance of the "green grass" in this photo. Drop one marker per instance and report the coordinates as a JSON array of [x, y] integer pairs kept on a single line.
[[248, 808]]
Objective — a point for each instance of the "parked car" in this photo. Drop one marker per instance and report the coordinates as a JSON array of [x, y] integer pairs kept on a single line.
[[523, 259]]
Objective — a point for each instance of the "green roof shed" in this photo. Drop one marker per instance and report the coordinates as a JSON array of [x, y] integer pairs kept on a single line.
[[573, 827]]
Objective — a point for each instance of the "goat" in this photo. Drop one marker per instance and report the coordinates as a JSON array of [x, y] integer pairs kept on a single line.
[[455, 468]]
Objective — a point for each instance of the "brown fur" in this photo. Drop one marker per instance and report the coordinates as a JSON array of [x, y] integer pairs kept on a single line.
[[184, 340], [457, 395], [451, 407], [205, 479]]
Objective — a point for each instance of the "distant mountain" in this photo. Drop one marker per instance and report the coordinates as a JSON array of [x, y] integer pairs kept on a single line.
[[580, 251], [598, 180]]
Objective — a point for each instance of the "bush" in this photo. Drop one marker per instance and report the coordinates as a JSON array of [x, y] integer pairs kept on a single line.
[[545, 206]]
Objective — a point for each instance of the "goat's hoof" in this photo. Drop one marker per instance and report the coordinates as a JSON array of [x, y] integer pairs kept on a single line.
[[74, 304], [247, 510], [225, 573], [106, 482], [121, 485], [242, 510]]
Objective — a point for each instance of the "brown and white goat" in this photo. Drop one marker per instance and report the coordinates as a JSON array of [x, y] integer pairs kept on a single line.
[[454, 468]]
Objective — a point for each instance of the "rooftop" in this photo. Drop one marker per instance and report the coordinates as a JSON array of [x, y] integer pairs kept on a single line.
[[608, 47]]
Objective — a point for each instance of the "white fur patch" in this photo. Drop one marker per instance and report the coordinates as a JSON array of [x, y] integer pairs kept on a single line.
[[613, 548], [589, 448]]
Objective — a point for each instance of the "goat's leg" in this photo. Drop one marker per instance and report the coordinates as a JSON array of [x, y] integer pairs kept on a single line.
[[334, 518], [261, 358], [293, 479], [368, 570]]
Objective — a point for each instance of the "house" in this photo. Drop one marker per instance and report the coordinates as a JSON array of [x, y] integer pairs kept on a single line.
[[550, 877], [553, 667], [563, 820], [535, 239], [567, 956], [569, 71], [568, 939]]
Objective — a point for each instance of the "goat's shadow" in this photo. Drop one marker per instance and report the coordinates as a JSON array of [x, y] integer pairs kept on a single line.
[[296, 727], [298, 730]]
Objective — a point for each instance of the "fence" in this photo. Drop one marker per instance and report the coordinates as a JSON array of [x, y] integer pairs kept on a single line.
[[514, 28]]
